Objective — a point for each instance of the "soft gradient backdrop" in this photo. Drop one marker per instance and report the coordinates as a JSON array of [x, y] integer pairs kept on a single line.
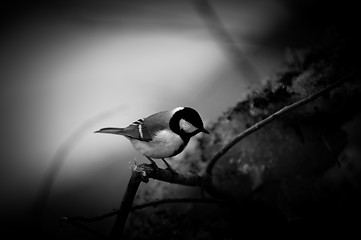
[[65, 62]]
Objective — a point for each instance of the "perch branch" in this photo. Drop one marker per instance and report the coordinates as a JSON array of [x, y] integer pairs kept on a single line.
[[269, 119], [126, 205], [142, 173], [166, 175]]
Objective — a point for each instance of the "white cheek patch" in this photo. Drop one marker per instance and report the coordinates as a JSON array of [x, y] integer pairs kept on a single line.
[[186, 126]]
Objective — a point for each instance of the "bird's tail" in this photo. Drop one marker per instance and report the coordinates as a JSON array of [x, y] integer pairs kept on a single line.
[[110, 130]]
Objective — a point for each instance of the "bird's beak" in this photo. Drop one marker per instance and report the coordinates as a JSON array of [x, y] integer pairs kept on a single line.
[[205, 131]]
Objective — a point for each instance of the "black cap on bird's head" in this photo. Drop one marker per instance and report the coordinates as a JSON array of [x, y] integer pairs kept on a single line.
[[186, 121]]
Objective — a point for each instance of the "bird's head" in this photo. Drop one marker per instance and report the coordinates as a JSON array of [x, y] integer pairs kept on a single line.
[[186, 121]]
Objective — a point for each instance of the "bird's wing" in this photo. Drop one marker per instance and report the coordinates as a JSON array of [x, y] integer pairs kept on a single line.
[[145, 129], [137, 130]]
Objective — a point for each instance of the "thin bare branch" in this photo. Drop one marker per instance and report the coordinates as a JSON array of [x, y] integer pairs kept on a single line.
[[90, 219], [269, 119], [179, 200], [141, 206]]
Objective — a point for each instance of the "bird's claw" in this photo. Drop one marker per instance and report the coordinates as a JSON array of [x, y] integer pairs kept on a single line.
[[169, 167], [154, 165]]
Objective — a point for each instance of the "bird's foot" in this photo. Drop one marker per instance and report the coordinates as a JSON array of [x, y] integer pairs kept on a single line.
[[169, 167], [153, 163]]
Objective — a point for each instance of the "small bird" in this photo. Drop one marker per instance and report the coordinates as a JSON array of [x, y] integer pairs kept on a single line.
[[163, 134]]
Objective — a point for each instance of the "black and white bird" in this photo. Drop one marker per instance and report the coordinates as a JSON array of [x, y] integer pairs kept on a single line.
[[163, 134]]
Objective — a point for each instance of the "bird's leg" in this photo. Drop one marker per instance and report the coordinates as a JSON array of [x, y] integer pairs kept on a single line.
[[168, 166], [152, 162]]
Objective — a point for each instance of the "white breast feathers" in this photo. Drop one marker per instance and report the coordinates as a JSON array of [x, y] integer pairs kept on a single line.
[[164, 144]]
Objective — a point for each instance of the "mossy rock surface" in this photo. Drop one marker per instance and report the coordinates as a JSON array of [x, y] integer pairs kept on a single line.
[[274, 177]]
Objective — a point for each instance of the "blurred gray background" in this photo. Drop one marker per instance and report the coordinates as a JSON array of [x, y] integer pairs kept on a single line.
[[65, 62]]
